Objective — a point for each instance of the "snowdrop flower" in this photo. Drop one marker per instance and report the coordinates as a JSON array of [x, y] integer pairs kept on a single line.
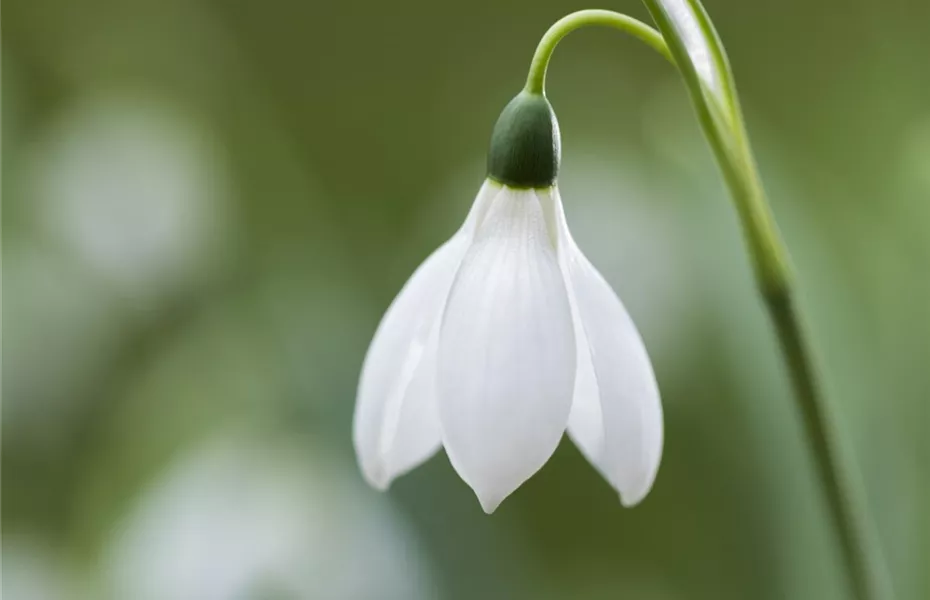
[[505, 337]]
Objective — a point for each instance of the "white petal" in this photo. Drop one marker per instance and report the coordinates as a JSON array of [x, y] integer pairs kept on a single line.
[[396, 425], [506, 351], [616, 417]]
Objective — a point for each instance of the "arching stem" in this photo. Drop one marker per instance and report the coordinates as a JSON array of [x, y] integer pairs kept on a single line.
[[536, 81]]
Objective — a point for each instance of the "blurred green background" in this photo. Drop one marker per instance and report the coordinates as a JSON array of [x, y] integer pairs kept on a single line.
[[208, 205]]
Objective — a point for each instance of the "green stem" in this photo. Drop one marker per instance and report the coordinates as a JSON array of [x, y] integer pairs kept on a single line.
[[869, 580], [769, 259], [536, 81], [833, 462]]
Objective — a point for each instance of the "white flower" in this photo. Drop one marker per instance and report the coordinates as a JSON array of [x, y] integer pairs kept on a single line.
[[501, 339]]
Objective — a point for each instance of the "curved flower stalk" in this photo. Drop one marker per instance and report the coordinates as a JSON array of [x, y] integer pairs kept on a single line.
[[507, 334]]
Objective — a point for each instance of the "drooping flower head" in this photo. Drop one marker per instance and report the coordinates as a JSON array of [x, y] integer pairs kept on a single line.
[[506, 337]]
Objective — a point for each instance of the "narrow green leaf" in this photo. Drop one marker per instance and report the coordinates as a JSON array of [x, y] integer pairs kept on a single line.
[[703, 62]]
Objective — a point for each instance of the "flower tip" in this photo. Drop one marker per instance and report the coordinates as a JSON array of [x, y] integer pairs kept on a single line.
[[636, 491], [489, 502], [377, 477], [489, 505], [631, 498]]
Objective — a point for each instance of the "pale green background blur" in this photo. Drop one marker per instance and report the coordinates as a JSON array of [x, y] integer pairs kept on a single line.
[[207, 206]]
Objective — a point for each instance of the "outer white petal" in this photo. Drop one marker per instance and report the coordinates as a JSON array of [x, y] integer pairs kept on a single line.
[[506, 351], [396, 426], [616, 417]]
